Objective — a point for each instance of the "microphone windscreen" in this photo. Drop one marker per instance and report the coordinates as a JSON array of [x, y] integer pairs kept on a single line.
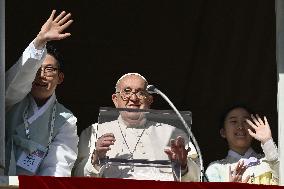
[[151, 89]]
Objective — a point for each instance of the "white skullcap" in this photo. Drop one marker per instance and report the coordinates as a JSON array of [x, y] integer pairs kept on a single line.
[[128, 74]]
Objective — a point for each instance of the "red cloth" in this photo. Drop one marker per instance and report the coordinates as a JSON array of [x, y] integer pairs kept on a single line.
[[40, 182]]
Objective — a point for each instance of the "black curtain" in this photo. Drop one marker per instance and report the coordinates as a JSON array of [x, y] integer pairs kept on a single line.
[[205, 55]]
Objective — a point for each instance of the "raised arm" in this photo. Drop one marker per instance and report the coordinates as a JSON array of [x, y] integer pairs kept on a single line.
[[19, 77], [262, 133]]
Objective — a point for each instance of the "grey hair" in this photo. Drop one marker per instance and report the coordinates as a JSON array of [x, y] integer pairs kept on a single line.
[[128, 74]]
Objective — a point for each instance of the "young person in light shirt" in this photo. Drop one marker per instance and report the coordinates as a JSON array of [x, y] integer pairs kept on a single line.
[[243, 164]]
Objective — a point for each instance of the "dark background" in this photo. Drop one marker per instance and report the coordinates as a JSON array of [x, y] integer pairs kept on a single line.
[[204, 54]]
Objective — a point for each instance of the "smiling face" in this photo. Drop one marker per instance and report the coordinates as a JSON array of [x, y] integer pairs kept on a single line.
[[46, 80], [135, 84], [131, 93], [236, 130]]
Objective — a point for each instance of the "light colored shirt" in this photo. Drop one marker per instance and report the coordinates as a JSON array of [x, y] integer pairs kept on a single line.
[[262, 169], [150, 146], [62, 151]]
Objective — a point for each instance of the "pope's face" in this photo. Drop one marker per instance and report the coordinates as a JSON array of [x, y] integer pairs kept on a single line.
[[132, 94]]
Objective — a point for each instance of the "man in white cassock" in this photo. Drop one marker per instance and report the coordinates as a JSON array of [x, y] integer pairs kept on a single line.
[[132, 136]]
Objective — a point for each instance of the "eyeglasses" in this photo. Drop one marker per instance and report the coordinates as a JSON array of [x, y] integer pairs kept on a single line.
[[127, 93], [48, 70]]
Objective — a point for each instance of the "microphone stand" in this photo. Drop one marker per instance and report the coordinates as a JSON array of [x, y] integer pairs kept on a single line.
[[153, 89]]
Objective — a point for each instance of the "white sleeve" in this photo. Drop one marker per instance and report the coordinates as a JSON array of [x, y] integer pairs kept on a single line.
[[86, 146], [213, 173], [193, 172], [270, 150], [62, 151], [271, 155], [19, 78]]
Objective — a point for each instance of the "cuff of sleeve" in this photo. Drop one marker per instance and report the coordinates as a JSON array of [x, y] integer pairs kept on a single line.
[[91, 170], [192, 174], [36, 53], [270, 150]]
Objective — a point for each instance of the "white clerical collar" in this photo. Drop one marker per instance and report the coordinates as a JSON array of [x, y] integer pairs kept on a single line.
[[38, 111], [238, 156]]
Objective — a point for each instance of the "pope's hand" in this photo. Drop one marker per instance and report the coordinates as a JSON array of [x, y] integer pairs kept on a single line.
[[103, 146], [177, 151]]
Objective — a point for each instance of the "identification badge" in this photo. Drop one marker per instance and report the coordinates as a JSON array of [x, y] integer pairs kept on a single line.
[[252, 161], [31, 162]]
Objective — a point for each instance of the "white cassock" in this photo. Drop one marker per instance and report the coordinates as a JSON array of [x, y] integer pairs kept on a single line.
[[146, 141]]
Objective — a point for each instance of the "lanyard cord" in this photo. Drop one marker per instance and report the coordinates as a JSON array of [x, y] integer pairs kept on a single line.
[[51, 121]]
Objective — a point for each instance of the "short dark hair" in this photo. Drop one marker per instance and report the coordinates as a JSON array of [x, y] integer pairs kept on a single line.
[[229, 109], [51, 50]]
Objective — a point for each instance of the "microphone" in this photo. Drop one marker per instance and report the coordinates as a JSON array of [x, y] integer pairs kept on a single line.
[[153, 90]]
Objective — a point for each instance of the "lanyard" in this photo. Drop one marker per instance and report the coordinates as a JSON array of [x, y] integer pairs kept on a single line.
[[27, 130]]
